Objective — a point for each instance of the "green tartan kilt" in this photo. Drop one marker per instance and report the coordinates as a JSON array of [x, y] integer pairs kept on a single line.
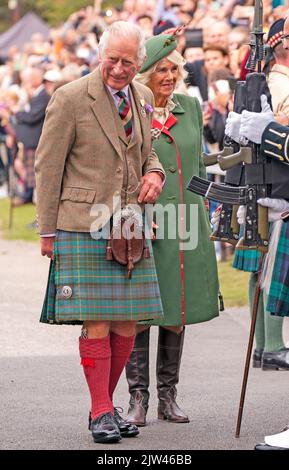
[[278, 298], [83, 285], [247, 260]]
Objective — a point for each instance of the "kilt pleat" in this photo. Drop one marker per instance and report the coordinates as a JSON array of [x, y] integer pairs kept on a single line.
[[83, 285], [278, 298], [246, 260]]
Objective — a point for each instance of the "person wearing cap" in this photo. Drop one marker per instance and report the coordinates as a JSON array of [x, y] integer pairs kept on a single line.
[[270, 352], [94, 158], [187, 276], [51, 80], [278, 80], [273, 138]]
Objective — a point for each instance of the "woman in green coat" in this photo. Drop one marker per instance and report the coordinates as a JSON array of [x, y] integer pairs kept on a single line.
[[187, 273]]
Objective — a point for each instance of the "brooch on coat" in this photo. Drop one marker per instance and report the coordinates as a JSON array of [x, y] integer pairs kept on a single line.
[[146, 108]]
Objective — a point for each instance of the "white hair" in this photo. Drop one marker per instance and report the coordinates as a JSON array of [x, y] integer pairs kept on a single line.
[[176, 58], [123, 29]]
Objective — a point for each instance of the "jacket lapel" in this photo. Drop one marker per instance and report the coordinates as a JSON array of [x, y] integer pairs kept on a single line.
[[140, 120], [102, 110]]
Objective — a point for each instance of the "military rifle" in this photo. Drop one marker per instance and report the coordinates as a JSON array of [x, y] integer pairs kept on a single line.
[[247, 156]]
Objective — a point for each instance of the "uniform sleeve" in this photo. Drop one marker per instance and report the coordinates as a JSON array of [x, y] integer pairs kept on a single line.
[[275, 142]]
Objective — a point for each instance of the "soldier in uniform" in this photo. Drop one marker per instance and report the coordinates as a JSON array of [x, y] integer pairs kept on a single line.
[[96, 145], [261, 128], [268, 330]]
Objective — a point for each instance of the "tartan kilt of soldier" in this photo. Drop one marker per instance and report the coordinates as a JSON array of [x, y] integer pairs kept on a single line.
[[246, 260], [278, 298], [83, 285]]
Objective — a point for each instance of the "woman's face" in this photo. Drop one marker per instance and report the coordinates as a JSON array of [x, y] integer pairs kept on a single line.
[[163, 80]]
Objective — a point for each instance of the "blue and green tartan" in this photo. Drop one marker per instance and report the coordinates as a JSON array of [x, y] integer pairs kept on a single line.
[[247, 260], [100, 288], [278, 298]]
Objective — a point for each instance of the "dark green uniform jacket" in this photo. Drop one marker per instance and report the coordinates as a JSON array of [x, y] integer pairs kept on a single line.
[[188, 278]]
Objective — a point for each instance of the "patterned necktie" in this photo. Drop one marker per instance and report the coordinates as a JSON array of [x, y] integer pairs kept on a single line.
[[124, 110]]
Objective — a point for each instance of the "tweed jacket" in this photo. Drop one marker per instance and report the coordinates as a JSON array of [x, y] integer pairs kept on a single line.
[[83, 157]]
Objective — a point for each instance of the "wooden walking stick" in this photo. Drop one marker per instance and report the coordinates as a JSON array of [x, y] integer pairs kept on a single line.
[[250, 347]]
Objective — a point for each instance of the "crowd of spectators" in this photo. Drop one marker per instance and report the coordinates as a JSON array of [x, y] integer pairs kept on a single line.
[[214, 44]]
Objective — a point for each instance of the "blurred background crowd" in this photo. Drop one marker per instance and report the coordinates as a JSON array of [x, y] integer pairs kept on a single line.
[[214, 44]]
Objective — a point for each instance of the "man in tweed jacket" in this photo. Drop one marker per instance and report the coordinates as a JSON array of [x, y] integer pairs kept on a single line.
[[87, 157]]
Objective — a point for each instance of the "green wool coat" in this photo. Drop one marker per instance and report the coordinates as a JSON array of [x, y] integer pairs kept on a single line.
[[189, 295]]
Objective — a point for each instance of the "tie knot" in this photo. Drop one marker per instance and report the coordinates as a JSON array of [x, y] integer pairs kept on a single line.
[[121, 94]]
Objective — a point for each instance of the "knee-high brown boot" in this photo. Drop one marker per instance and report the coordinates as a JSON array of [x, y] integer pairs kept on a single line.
[[170, 348], [137, 374]]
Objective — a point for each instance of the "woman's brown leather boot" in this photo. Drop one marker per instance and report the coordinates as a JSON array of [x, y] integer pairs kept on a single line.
[[137, 374], [170, 348]]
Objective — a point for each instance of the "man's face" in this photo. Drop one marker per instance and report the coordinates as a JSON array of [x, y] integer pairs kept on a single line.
[[119, 63]]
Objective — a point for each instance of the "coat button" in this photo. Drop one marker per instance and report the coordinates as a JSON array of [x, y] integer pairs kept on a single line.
[[172, 169], [119, 169]]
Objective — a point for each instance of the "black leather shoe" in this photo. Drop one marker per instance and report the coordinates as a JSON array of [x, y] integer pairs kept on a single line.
[[257, 357], [264, 446], [126, 429], [276, 360], [104, 429]]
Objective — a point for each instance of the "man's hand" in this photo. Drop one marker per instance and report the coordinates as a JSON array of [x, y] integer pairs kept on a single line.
[[232, 128], [151, 187], [254, 124], [47, 246], [276, 207], [215, 218], [241, 215]]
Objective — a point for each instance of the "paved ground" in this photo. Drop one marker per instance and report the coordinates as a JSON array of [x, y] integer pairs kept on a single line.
[[44, 401]]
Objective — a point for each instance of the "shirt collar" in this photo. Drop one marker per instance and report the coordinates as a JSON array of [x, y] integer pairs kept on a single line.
[[113, 91]]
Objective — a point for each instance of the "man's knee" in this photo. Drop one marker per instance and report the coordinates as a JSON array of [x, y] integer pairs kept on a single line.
[[97, 329], [123, 328]]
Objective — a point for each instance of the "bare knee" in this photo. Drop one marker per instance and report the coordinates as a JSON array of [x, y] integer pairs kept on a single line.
[[96, 329], [123, 328]]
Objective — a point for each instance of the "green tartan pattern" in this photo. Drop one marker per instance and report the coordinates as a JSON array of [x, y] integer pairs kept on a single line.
[[278, 298], [246, 260], [100, 288]]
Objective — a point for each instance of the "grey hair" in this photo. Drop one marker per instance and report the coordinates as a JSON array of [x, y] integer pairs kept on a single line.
[[123, 29], [176, 58]]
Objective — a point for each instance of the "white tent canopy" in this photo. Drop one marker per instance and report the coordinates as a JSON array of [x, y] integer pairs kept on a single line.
[[21, 32]]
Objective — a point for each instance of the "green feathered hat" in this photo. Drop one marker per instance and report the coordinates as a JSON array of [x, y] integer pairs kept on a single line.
[[158, 47]]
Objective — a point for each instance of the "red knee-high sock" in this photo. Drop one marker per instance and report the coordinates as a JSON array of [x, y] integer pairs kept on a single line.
[[121, 348], [96, 360]]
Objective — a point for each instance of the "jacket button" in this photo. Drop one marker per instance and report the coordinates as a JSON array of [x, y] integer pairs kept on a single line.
[[119, 169], [169, 140], [172, 169]]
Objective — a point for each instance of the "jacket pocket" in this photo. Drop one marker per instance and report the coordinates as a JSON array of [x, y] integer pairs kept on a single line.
[[78, 195]]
